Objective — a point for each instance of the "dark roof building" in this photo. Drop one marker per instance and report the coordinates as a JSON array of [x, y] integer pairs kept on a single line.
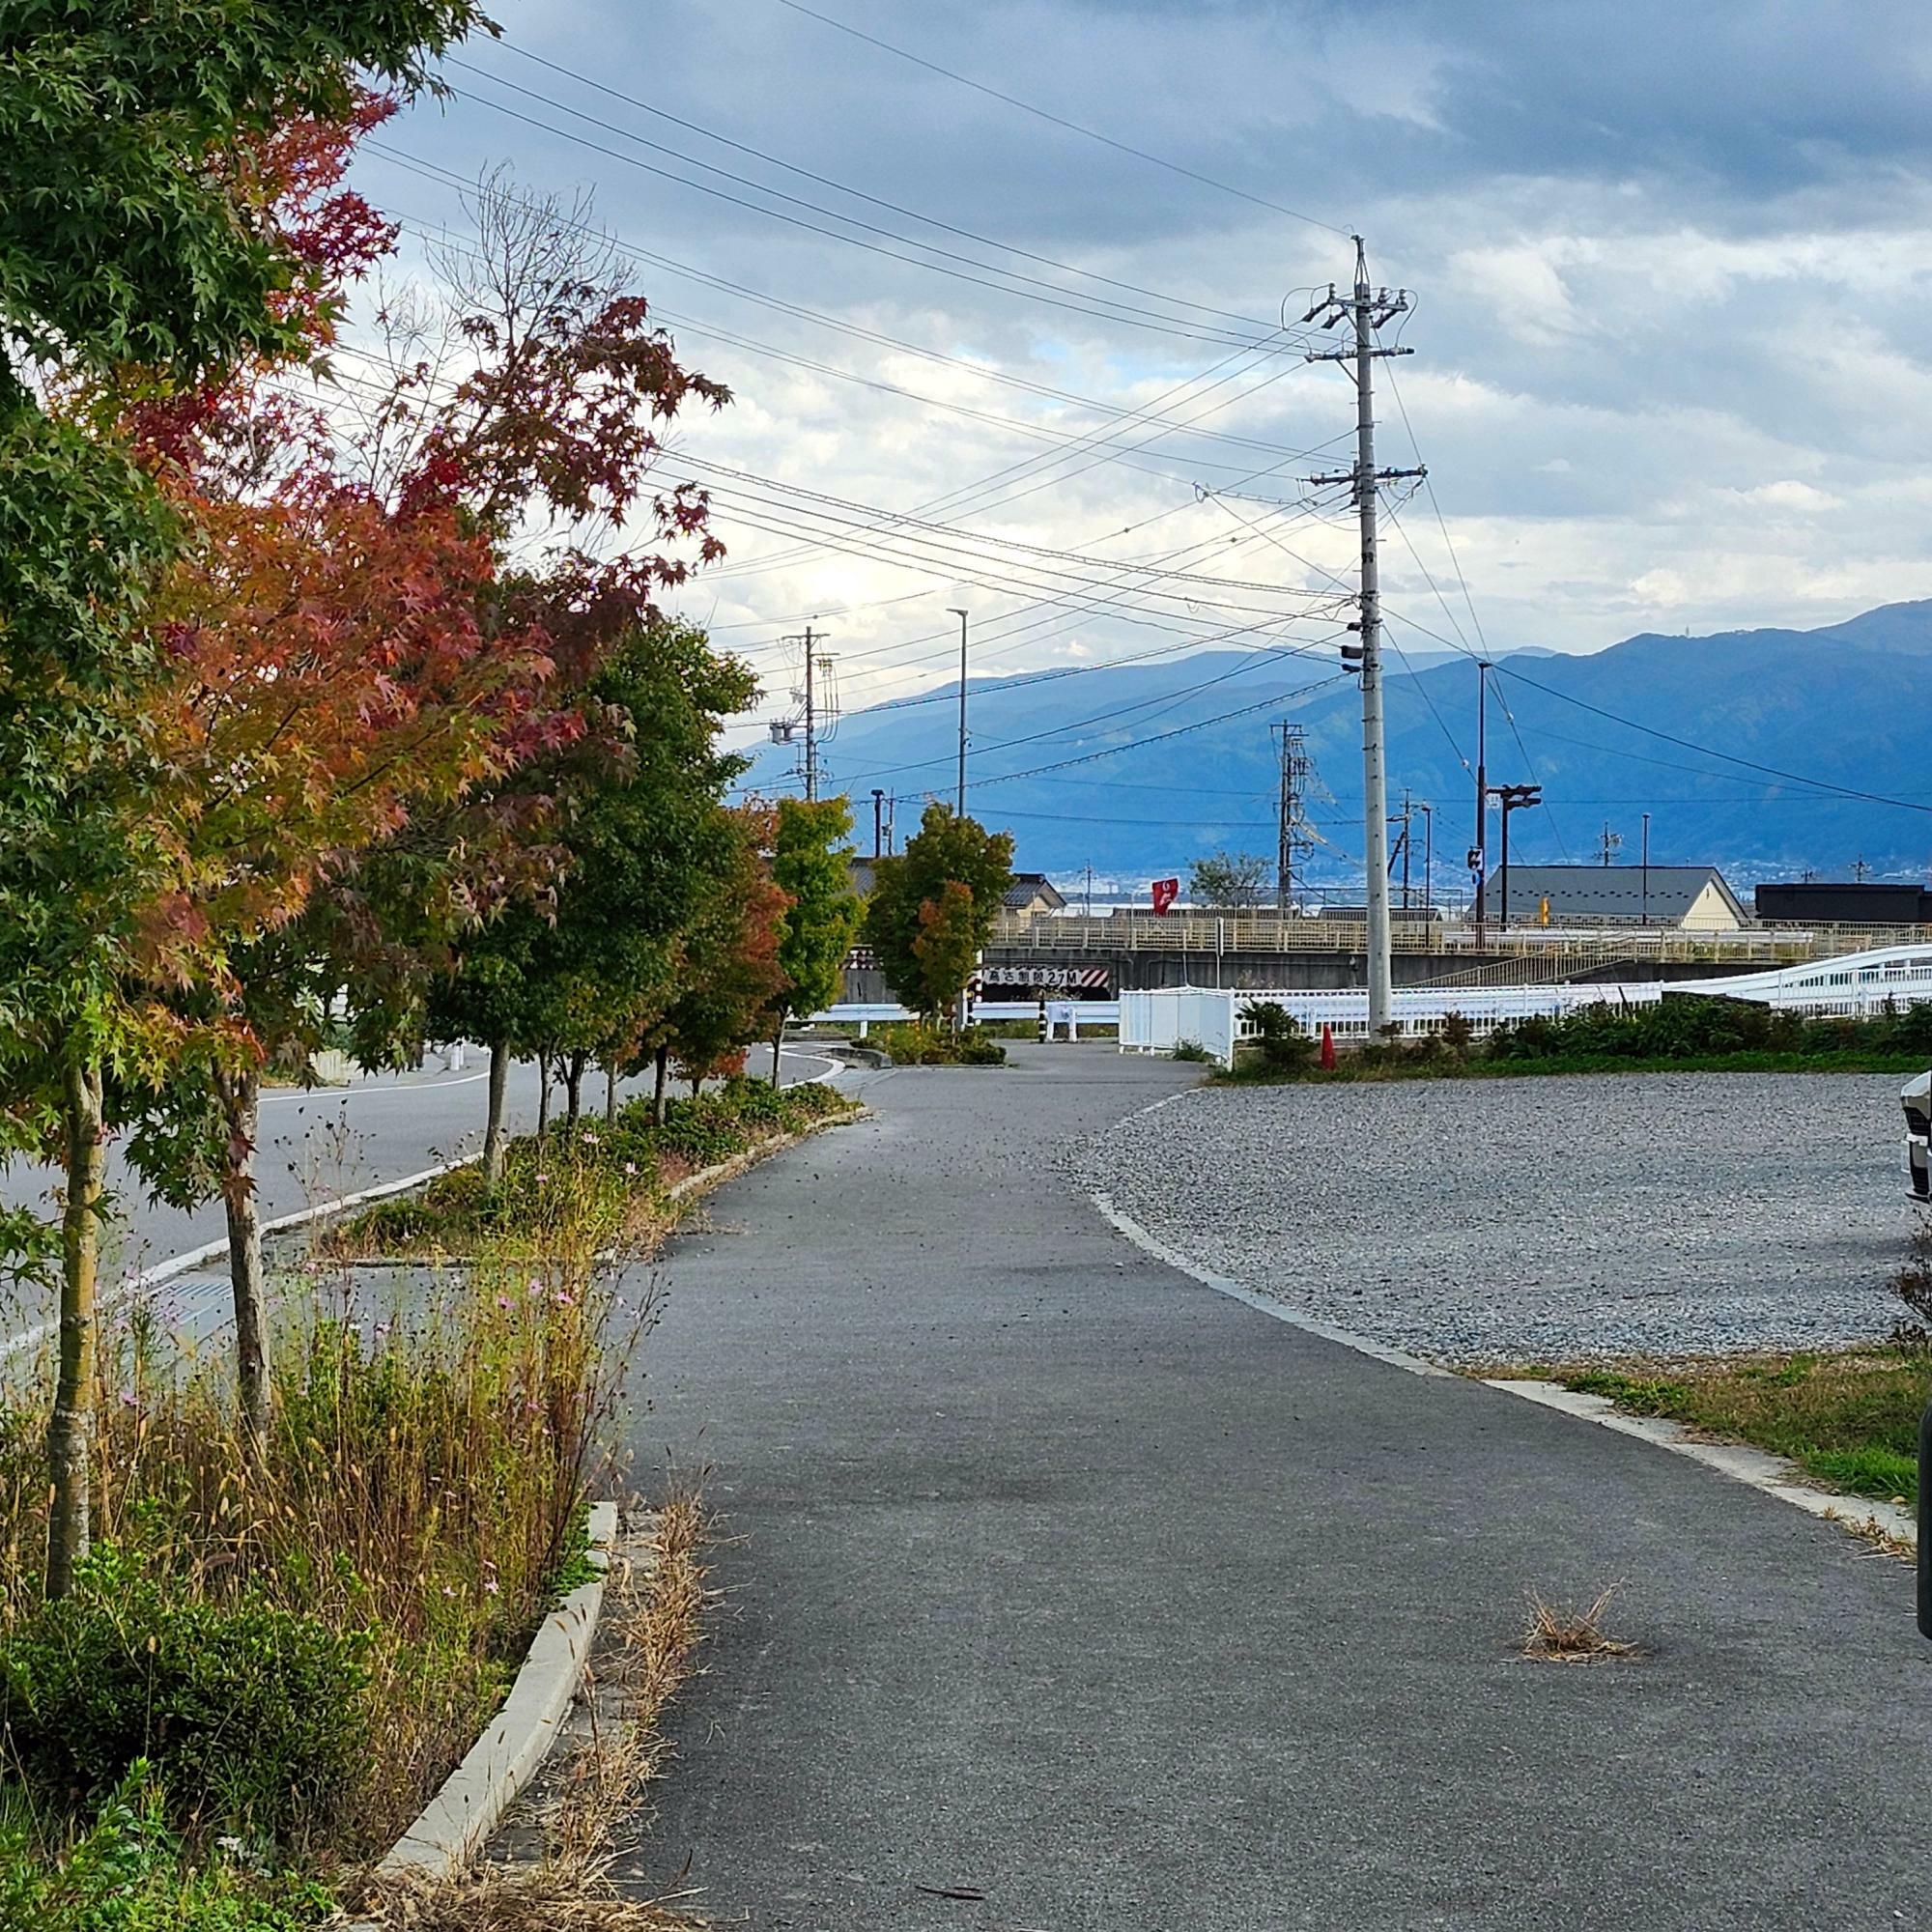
[[1032, 892], [1694, 897], [1818, 902]]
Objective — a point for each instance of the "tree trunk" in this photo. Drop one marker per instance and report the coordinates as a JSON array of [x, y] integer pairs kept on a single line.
[[70, 1430], [611, 1092], [543, 1095], [696, 1085], [573, 1088], [241, 1097], [778, 1053], [660, 1098], [493, 1126]]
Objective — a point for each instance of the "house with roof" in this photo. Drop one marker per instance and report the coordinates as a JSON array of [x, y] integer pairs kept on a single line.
[[1030, 894], [1694, 899]]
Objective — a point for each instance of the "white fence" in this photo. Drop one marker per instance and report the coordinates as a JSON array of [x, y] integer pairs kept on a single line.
[[1157, 1022], [1854, 986], [1069, 1016]]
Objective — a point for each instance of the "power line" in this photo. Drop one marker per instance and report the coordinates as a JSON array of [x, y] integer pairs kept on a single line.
[[1128, 320], [1059, 121], [845, 187]]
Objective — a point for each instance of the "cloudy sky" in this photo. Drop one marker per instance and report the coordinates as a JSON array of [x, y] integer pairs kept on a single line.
[[1672, 363]]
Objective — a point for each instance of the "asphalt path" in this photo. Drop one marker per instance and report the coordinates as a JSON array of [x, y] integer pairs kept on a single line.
[[1062, 1592], [318, 1143]]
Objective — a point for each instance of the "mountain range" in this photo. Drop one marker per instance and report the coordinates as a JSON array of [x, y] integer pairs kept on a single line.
[[1769, 753]]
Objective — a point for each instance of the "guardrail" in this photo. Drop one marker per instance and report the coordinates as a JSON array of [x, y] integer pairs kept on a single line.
[[1207, 935]]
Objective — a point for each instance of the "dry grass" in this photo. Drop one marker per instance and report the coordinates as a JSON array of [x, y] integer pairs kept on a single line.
[[1559, 1635], [598, 1797], [425, 1480]]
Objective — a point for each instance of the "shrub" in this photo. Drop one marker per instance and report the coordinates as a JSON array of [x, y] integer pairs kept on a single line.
[[1279, 1041], [126, 1872], [249, 1715], [917, 1044], [1192, 1051]]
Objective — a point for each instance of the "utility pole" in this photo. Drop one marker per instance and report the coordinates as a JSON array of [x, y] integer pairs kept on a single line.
[[1404, 819], [1428, 812], [959, 796], [1089, 892], [1859, 870], [1291, 837], [1369, 308], [1479, 851], [817, 712], [1610, 842], [1645, 920], [878, 818]]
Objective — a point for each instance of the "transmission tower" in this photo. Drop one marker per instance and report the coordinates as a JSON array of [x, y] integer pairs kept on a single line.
[[814, 720], [1295, 842]]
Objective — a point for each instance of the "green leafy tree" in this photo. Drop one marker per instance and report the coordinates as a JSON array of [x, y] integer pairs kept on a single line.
[[811, 866], [947, 850], [592, 972], [730, 974], [130, 233], [1228, 881]]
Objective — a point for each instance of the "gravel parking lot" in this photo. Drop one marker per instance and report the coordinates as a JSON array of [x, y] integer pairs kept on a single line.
[[1537, 1219]]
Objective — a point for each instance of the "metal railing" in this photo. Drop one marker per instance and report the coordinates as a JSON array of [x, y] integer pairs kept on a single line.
[[1208, 934]]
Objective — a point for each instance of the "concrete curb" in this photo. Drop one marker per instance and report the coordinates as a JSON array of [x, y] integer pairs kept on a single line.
[[461, 1816], [1771, 1475], [195, 1257], [1754, 1468]]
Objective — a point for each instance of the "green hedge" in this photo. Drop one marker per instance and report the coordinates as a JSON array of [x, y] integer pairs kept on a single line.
[[246, 1716]]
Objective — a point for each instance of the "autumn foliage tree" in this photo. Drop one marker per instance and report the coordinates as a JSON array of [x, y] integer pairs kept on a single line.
[[132, 236]]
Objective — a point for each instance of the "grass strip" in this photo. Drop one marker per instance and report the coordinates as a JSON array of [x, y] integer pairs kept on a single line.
[[1362, 1069], [583, 1187], [1849, 1418]]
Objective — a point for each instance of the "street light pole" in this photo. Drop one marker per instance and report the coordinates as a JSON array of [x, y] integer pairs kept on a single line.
[[1646, 868], [960, 795], [1512, 798]]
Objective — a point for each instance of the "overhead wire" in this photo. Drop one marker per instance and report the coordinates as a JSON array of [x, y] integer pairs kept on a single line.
[[1061, 121], [845, 187]]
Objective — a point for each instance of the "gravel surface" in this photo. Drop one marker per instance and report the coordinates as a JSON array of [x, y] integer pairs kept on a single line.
[[1538, 1219]]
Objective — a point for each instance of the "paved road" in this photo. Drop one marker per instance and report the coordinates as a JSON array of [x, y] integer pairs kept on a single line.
[[317, 1144], [1062, 1578]]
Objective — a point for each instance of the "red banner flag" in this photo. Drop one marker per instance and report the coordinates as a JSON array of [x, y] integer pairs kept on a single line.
[[1165, 892]]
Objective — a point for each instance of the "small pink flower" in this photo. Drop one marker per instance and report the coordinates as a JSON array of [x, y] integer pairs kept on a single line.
[[566, 1299], [541, 1178], [130, 1400], [502, 1301], [630, 1167], [591, 1140], [449, 1590], [490, 1586]]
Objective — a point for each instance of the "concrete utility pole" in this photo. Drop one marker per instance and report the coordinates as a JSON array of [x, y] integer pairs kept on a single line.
[[1406, 819], [1646, 868], [1428, 811], [959, 796], [815, 712], [1611, 844], [1369, 308], [878, 819]]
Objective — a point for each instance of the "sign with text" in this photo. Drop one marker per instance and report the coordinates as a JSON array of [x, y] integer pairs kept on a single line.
[[1165, 892]]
